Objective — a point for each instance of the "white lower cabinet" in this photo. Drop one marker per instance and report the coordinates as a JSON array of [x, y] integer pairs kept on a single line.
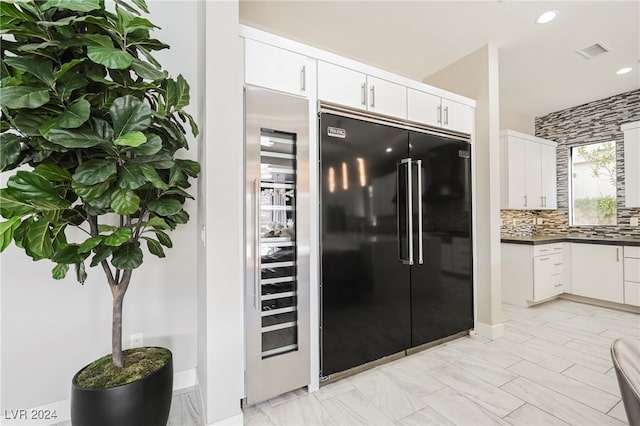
[[632, 275], [532, 274], [597, 271]]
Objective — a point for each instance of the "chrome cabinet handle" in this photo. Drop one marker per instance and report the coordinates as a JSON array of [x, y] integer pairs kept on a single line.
[[303, 78], [525, 201], [439, 113], [541, 201], [372, 95], [363, 94], [446, 116], [258, 272], [617, 254], [544, 259], [409, 213], [420, 248]]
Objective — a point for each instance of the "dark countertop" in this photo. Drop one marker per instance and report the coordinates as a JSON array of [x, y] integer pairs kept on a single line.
[[549, 239]]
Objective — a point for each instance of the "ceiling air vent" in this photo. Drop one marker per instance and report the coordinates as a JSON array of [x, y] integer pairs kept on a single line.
[[594, 50]]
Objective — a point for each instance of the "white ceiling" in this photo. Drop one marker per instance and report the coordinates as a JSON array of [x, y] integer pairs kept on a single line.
[[539, 69]]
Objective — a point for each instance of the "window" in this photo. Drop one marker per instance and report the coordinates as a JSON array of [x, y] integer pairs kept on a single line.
[[593, 184]]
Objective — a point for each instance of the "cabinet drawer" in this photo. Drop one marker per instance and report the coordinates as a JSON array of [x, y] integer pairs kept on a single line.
[[632, 269], [544, 249], [630, 251], [632, 293]]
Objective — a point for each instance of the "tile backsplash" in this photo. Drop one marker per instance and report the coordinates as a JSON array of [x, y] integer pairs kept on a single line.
[[596, 121], [556, 222]]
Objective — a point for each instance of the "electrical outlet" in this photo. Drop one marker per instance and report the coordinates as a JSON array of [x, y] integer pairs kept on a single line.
[[539, 221], [634, 221], [136, 340]]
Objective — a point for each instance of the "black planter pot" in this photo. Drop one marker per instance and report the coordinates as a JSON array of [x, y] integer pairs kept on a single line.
[[145, 402]]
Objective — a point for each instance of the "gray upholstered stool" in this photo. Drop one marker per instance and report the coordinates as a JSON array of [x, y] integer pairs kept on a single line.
[[625, 353]]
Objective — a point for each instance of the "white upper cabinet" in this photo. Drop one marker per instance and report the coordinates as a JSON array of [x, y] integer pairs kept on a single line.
[[274, 68], [528, 172], [632, 163], [434, 110], [351, 88], [387, 98]]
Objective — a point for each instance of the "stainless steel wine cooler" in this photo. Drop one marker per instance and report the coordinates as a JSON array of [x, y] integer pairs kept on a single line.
[[277, 243]]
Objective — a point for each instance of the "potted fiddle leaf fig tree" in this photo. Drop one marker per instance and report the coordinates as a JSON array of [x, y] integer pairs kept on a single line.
[[95, 128]]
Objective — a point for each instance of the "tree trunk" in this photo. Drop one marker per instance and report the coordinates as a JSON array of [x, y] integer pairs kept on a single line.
[[116, 329], [118, 291]]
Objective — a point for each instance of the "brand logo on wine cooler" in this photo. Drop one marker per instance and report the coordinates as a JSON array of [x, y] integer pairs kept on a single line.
[[336, 132], [463, 154]]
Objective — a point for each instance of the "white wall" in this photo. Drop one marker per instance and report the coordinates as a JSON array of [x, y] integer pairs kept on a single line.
[[514, 120], [476, 76], [51, 329]]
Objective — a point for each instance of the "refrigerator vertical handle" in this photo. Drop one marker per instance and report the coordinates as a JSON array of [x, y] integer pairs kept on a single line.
[[420, 243], [256, 240], [408, 212]]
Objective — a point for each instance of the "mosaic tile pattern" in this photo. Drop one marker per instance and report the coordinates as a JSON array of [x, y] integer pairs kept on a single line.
[[597, 121]]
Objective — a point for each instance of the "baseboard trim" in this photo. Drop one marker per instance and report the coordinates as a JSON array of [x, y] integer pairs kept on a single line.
[[231, 421], [492, 332], [181, 380]]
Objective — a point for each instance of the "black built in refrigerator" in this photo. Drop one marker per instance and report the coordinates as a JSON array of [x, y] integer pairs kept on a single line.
[[395, 238]]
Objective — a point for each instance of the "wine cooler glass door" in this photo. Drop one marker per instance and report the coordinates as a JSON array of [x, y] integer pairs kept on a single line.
[[277, 288]]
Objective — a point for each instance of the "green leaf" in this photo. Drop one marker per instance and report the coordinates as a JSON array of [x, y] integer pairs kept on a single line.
[[8, 9], [177, 94], [16, 97], [37, 240], [52, 172], [29, 123], [118, 237], [164, 239], [138, 23], [128, 256], [77, 114], [157, 223], [101, 254], [153, 145], [165, 207], [12, 207], [154, 247], [180, 192], [125, 201], [147, 70], [81, 274], [70, 83], [59, 271], [129, 114], [94, 171], [106, 228], [69, 255], [75, 5], [36, 190], [67, 66], [6, 231], [98, 40], [102, 128], [133, 139], [10, 149], [130, 176], [142, 5], [192, 168], [89, 244], [91, 192], [161, 160], [38, 67], [194, 126], [152, 176], [74, 138], [110, 57]]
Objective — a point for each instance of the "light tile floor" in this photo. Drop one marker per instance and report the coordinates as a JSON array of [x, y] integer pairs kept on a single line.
[[552, 367]]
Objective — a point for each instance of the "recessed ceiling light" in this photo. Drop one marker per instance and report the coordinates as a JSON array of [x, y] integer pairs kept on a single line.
[[547, 17], [623, 70], [389, 149]]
